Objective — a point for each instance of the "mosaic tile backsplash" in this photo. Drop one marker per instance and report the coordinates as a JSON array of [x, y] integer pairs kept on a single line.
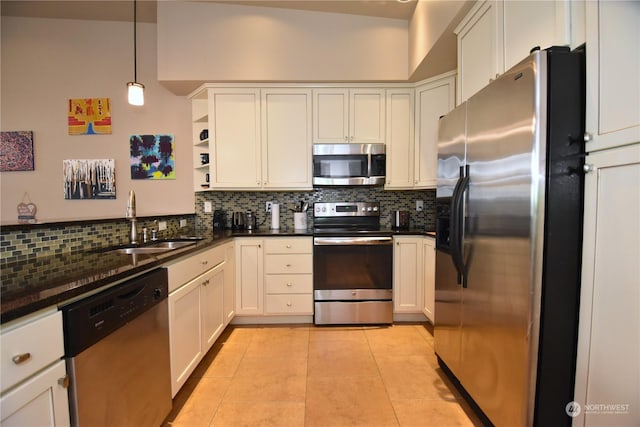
[[29, 241], [229, 201]]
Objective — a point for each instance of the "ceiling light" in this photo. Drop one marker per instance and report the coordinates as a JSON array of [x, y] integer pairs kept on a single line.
[[135, 90]]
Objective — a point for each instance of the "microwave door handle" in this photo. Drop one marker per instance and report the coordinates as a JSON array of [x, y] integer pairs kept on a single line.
[[369, 165]]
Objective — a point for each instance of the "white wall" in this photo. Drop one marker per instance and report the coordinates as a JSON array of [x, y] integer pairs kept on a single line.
[[45, 62], [200, 41]]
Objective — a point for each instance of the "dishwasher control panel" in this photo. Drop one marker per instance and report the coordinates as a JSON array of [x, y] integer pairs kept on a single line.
[[88, 320]]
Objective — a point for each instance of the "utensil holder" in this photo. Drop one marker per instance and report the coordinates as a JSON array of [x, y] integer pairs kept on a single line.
[[300, 220]]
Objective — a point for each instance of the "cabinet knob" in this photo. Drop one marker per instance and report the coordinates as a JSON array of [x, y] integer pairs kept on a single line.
[[289, 304], [21, 358], [587, 168], [64, 381], [288, 246], [289, 285], [205, 262], [588, 137], [205, 283], [288, 265]]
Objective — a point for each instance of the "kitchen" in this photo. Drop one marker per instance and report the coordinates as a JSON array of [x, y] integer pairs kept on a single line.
[[27, 83]]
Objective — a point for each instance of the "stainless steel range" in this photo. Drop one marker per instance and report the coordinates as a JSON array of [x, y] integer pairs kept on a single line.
[[352, 265]]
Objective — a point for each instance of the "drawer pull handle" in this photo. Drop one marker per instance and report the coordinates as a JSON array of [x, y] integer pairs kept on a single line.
[[288, 265], [288, 246], [64, 381], [205, 262], [289, 285], [21, 358]]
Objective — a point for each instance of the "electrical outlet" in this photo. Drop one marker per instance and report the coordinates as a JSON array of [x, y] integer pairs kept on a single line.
[[183, 223], [208, 207], [162, 225], [267, 207], [419, 205]]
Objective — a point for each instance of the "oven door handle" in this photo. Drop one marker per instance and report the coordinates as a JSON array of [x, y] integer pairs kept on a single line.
[[343, 241]]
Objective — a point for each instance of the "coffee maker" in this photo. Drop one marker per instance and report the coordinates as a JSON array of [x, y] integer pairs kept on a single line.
[[219, 220]]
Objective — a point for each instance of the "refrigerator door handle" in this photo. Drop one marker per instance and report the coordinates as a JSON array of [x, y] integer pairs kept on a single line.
[[457, 216]]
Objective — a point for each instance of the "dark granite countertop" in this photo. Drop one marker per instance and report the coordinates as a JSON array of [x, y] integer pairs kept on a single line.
[[38, 283]]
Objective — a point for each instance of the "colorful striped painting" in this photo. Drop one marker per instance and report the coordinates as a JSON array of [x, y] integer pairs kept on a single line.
[[89, 116]]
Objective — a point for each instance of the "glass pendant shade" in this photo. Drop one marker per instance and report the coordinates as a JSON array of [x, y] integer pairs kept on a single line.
[[135, 93]]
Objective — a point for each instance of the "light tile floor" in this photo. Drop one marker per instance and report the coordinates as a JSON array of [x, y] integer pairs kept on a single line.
[[321, 376]]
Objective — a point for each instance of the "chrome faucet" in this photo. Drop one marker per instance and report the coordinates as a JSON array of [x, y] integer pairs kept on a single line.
[[131, 216]]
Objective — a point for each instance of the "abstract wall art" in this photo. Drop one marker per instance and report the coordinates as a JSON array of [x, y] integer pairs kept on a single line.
[[89, 116], [16, 151], [152, 157], [89, 179]]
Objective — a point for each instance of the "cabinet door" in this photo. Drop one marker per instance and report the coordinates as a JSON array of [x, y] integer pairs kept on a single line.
[[480, 57], [249, 276], [330, 116], [434, 99], [367, 116], [609, 333], [407, 275], [212, 301], [286, 138], [613, 85], [234, 138], [400, 143], [185, 332], [38, 401], [229, 293], [429, 277], [534, 23]]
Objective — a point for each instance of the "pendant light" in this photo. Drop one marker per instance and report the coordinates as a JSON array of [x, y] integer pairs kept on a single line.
[[135, 90]]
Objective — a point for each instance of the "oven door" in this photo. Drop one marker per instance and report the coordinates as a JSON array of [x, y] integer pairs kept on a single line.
[[352, 279], [352, 268]]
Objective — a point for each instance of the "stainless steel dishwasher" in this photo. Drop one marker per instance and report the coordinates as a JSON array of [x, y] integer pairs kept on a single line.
[[117, 354]]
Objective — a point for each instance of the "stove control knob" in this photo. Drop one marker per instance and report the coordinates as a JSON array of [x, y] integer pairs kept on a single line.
[[375, 209], [369, 209]]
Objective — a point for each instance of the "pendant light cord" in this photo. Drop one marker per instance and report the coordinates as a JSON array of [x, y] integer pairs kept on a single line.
[[135, 52]]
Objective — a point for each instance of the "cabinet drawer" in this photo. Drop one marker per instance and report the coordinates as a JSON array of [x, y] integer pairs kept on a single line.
[[39, 342], [186, 269], [289, 284], [288, 264], [297, 245], [289, 304]]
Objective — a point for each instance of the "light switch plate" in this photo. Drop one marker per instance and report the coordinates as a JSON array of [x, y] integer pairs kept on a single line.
[[419, 205], [183, 223], [208, 207], [162, 225]]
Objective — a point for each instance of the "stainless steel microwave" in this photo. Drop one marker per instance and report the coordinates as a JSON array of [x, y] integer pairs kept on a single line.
[[349, 164]]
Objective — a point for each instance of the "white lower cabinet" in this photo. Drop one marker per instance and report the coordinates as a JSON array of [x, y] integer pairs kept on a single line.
[[607, 370], [39, 401], [274, 276], [34, 379], [198, 310], [429, 277], [229, 293], [407, 275]]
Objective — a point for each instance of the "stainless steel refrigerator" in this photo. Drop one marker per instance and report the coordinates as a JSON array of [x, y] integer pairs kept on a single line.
[[508, 248]]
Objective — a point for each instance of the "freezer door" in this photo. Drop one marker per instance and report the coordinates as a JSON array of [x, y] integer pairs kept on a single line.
[[451, 149], [448, 300], [505, 194]]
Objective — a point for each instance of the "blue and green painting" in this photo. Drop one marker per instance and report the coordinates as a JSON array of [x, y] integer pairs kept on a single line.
[[152, 157]]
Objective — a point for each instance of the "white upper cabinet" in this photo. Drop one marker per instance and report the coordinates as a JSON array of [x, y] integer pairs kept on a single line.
[[434, 98], [286, 138], [479, 48], [344, 115], [497, 34], [400, 141], [613, 73], [234, 138]]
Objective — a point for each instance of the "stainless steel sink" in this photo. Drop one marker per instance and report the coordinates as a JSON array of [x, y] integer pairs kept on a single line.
[[153, 248], [170, 244]]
